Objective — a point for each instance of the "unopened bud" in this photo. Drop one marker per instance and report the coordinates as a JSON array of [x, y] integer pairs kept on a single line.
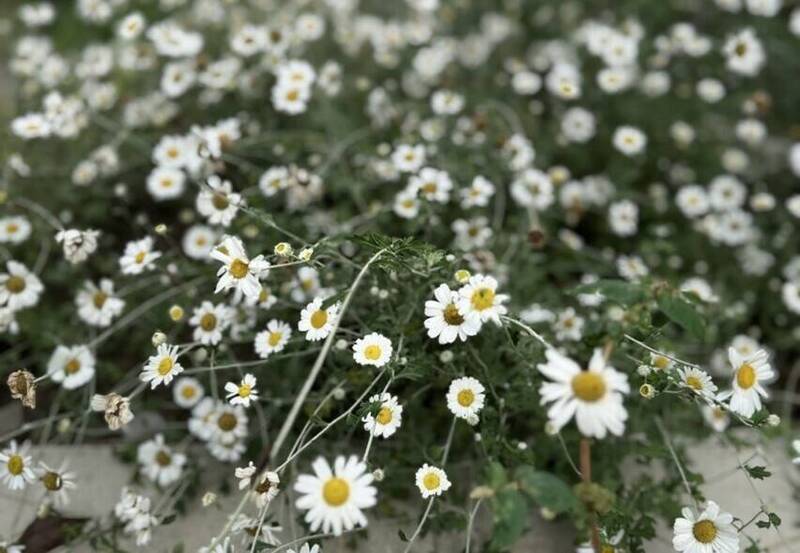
[[647, 391], [176, 313], [462, 276], [158, 338], [283, 249]]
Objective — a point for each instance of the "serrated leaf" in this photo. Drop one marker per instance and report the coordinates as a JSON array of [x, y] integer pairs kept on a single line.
[[683, 313], [758, 472]]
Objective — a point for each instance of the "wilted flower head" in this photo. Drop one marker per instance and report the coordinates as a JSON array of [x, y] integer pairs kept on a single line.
[[23, 387], [117, 409]]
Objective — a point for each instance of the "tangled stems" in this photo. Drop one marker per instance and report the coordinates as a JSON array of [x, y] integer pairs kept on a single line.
[[314, 372]]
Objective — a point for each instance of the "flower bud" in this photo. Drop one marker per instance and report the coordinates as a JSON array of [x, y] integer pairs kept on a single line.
[[283, 249], [158, 338], [176, 313]]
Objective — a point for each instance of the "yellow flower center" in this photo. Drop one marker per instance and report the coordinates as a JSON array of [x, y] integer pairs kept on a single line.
[[741, 49], [15, 284], [227, 422], [293, 95], [431, 481], [372, 352], [465, 397], [220, 201], [188, 392], [239, 268], [245, 390], [16, 465], [163, 458], [452, 315], [482, 298], [746, 376], [99, 299], [319, 318], [335, 491], [429, 187], [139, 258], [165, 366], [384, 415], [274, 338], [52, 481], [660, 362], [11, 228], [72, 366], [208, 322], [588, 386], [704, 531], [694, 383]]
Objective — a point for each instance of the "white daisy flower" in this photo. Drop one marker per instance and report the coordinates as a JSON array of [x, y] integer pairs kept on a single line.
[[629, 140], [14, 230], [568, 325], [749, 373], [162, 367], [406, 204], [273, 181], [446, 321], [465, 398], [242, 393], [388, 418], [661, 362], [98, 305], [139, 255], [71, 366], [593, 397], [187, 392], [478, 193], [408, 159], [198, 241], [716, 417], [166, 183], [57, 483], [273, 339], [266, 488], [317, 322], [431, 481], [19, 287], [432, 184], [698, 381], [159, 462], [238, 271], [218, 202], [15, 466], [334, 498], [480, 296], [209, 322], [373, 349], [229, 423], [712, 531]]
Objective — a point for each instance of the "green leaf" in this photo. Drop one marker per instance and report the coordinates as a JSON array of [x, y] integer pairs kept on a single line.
[[758, 472], [547, 489], [774, 519], [510, 518], [682, 313], [617, 291], [496, 475]]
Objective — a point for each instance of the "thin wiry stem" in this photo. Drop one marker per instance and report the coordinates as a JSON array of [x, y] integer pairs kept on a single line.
[[314, 372]]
